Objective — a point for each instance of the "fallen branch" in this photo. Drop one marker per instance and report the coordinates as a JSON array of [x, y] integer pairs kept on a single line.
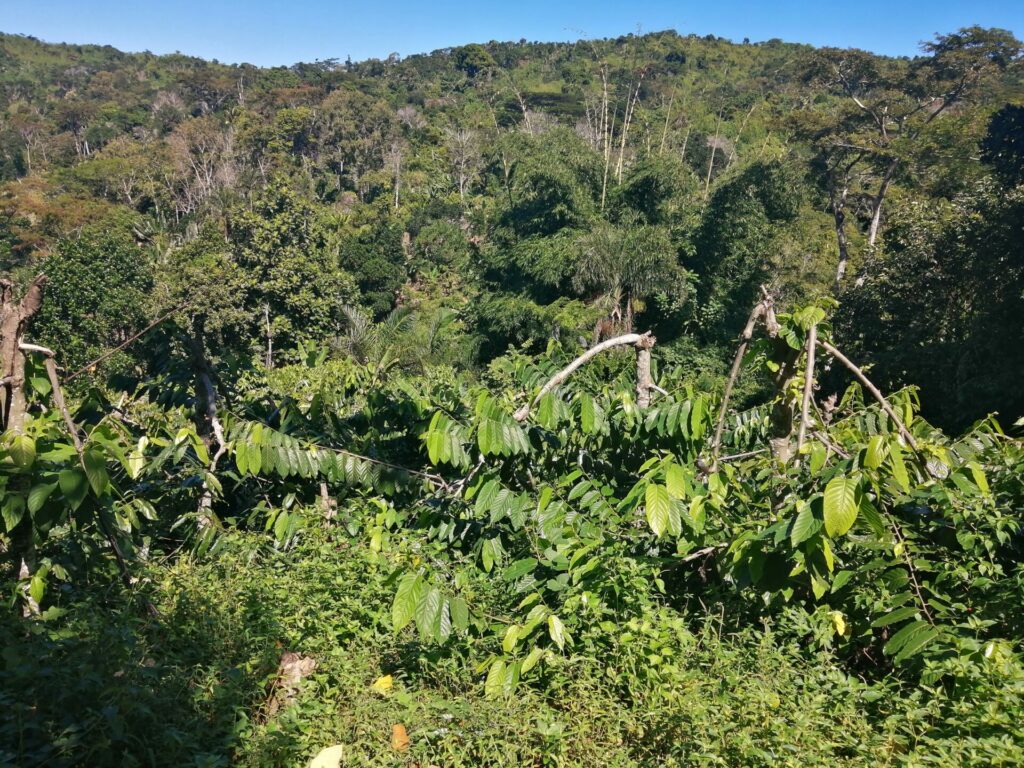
[[875, 392], [628, 339]]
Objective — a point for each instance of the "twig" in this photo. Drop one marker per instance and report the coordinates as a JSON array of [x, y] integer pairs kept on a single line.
[[58, 400], [702, 553], [562, 375], [744, 455]]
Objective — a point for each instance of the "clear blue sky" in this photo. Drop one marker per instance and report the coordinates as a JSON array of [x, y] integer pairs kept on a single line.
[[269, 32]]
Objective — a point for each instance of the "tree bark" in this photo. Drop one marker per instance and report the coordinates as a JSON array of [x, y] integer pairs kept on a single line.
[[839, 212], [644, 382], [876, 203], [812, 339], [14, 319]]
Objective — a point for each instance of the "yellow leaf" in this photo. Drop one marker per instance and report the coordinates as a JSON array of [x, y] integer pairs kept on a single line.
[[839, 622], [383, 684], [328, 758]]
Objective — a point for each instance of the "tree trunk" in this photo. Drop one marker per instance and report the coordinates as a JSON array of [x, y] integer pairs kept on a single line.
[[784, 408], [644, 382], [839, 213], [14, 319], [204, 392], [876, 204]]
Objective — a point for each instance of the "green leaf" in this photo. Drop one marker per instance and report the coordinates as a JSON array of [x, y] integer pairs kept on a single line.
[[676, 481], [495, 685], [804, 526], [874, 454], [979, 478], [281, 525], [38, 496], [899, 469], [916, 643], [37, 588], [460, 614], [557, 631], [900, 614], [242, 458], [818, 455], [23, 451], [511, 638], [13, 511], [95, 464], [428, 614], [490, 553], [403, 609], [840, 505], [531, 660], [659, 504], [905, 635], [74, 485], [519, 568], [587, 420]]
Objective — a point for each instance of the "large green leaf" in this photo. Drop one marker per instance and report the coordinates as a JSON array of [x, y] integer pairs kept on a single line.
[[38, 496], [495, 685], [403, 609], [74, 485], [519, 568], [557, 631], [23, 451], [804, 526], [13, 510], [659, 505], [840, 505], [428, 614], [875, 452], [95, 464], [904, 636]]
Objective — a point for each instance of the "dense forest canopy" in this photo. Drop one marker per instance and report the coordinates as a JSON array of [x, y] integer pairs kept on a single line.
[[254, 317]]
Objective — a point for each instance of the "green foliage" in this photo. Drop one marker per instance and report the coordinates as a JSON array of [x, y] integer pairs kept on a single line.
[[97, 289], [359, 278], [283, 248]]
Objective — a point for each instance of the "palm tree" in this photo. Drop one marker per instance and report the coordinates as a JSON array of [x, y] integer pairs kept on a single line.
[[625, 265]]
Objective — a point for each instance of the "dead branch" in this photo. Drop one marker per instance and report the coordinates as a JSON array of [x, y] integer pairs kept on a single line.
[[763, 310], [812, 337], [875, 392], [122, 345], [619, 341]]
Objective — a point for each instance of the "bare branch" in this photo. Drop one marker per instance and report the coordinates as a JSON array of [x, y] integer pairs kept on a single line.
[[562, 375], [875, 392], [812, 337]]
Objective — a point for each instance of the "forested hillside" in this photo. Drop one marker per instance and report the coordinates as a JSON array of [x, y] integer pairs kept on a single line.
[[650, 401]]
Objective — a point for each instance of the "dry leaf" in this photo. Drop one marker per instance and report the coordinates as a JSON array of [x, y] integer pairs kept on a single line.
[[399, 738], [328, 758]]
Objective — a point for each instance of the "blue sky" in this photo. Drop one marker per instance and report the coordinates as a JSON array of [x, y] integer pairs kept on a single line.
[[270, 32]]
